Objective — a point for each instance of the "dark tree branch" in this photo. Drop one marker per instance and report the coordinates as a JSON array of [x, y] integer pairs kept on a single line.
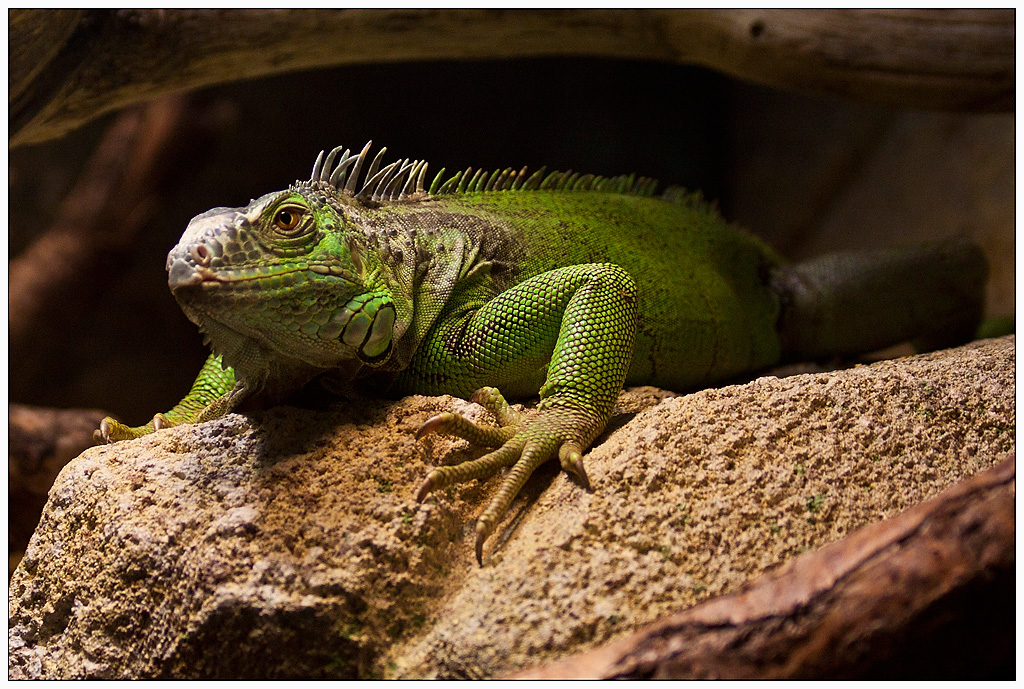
[[928, 593], [944, 59], [142, 157]]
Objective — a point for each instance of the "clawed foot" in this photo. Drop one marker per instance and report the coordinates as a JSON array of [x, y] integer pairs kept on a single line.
[[196, 407], [523, 444], [112, 431]]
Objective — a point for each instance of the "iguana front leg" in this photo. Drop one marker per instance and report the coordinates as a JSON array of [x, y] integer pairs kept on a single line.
[[582, 317], [213, 394]]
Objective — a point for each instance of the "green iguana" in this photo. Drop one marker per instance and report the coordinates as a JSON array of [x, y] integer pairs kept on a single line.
[[564, 285]]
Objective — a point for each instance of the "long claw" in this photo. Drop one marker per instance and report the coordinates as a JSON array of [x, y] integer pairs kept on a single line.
[[571, 459], [434, 424], [103, 433], [425, 488], [113, 431], [450, 423], [483, 530]]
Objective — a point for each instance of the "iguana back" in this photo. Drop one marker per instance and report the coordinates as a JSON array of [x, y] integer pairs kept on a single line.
[[705, 309]]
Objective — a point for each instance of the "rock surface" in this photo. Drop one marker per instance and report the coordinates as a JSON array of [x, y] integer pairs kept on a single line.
[[288, 543], [927, 594], [39, 443]]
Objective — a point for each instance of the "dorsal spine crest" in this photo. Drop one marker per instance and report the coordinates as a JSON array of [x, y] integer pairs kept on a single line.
[[404, 179]]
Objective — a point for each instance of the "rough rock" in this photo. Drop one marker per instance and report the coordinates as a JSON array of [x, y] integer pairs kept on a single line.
[[40, 442], [287, 543], [927, 594]]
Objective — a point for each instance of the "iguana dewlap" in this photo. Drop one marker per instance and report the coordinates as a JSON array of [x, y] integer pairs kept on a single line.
[[567, 286]]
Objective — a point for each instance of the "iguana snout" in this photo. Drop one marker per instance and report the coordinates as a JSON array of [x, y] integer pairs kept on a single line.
[[214, 247]]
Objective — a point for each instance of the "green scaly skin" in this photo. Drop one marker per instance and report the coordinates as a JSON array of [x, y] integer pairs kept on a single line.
[[564, 286]]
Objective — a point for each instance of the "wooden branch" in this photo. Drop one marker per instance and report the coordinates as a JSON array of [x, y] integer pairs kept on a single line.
[[928, 593], [36, 38], [140, 159], [946, 59]]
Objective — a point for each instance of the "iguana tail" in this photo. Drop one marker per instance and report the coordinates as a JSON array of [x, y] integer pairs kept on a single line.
[[853, 303]]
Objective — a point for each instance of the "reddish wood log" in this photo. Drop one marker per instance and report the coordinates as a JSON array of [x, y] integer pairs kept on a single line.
[[928, 593]]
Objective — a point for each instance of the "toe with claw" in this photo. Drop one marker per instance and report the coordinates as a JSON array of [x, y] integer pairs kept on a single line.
[[111, 430], [556, 430]]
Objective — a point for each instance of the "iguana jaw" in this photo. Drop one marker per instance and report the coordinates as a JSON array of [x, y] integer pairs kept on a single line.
[[258, 355], [234, 307], [256, 363], [185, 274]]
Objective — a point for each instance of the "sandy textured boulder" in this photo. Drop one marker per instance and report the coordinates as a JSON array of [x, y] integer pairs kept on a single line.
[[288, 543], [40, 442]]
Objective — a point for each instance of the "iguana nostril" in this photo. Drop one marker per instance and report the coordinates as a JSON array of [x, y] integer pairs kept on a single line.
[[201, 255]]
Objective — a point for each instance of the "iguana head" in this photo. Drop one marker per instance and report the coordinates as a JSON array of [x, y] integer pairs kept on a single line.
[[283, 277]]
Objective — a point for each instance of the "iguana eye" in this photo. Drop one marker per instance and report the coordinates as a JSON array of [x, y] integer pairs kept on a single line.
[[287, 218]]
